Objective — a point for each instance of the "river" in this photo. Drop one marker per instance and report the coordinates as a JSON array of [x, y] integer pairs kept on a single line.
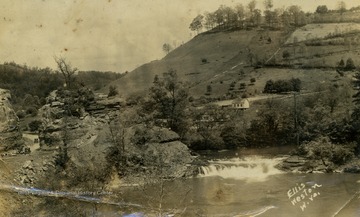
[[233, 187], [252, 186]]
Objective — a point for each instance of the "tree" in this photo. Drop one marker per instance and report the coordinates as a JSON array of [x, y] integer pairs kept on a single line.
[[208, 90], [297, 16], [67, 71], [240, 13], [268, 13], [116, 153], [322, 9], [34, 125], [286, 55], [350, 65], [341, 6], [251, 7], [273, 125], [167, 48], [197, 23], [268, 4], [168, 101], [357, 95], [341, 64], [210, 20], [112, 91], [232, 137]]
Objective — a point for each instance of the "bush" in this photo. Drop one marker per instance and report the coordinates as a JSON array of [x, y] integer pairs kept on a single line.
[[322, 149], [32, 111], [349, 64], [21, 114], [341, 64], [112, 91], [252, 80], [34, 125], [232, 138], [286, 54], [281, 86]]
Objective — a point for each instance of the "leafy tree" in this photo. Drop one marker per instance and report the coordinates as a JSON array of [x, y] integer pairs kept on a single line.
[[210, 20], [168, 101], [197, 23], [232, 137], [269, 15], [329, 154], [321, 9], [281, 86], [167, 48], [350, 65], [116, 153], [34, 125], [341, 6], [297, 16], [240, 13], [256, 17], [112, 91], [341, 64], [273, 125]]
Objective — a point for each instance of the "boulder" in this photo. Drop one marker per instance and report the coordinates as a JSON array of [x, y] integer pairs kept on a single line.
[[173, 158]]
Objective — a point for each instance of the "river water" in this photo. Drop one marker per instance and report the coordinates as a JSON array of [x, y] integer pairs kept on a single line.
[[252, 186], [232, 187]]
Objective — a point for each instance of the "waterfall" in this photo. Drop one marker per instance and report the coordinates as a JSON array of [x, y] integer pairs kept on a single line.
[[251, 168]]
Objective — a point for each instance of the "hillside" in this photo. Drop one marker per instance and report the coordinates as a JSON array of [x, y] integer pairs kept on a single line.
[[204, 58], [222, 59]]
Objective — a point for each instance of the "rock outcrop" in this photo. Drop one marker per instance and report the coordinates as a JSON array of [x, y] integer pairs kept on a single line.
[[88, 140], [10, 134]]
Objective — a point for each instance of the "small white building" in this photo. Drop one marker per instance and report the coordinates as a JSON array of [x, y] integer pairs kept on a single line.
[[240, 104]]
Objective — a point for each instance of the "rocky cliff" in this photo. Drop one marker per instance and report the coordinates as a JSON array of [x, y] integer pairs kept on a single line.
[[88, 140], [10, 135]]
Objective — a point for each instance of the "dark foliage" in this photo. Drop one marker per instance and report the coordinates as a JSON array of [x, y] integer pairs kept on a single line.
[[34, 125], [282, 86]]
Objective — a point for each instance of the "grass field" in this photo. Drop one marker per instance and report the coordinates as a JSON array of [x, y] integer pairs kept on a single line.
[[320, 31]]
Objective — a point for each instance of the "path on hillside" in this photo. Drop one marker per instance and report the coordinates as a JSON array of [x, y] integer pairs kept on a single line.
[[267, 96]]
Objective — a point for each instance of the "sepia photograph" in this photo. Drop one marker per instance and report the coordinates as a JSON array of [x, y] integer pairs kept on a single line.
[[180, 108]]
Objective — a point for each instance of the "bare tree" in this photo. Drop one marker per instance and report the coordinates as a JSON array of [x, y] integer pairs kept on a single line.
[[66, 70]]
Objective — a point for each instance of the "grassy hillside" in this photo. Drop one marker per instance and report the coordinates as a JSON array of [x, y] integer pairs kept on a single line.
[[205, 59], [226, 60]]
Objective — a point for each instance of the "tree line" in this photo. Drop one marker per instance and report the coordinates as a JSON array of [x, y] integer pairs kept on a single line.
[[29, 86], [248, 16]]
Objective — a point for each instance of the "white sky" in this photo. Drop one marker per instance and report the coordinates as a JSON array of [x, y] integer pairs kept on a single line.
[[106, 35]]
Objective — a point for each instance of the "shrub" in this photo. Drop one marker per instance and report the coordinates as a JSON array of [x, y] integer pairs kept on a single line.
[[281, 86], [21, 114], [341, 64], [204, 60], [252, 80], [112, 91], [32, 111], [34, 125], [322, 149], [286, 54], [349, 64]]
